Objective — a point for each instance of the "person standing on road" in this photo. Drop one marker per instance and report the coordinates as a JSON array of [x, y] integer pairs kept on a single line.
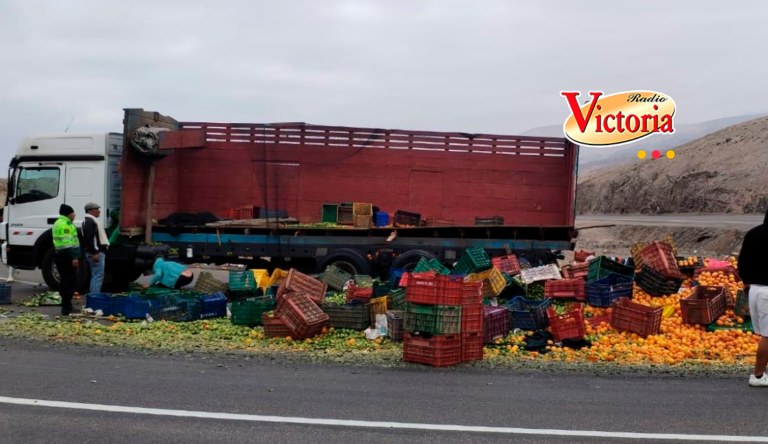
[[96, 245], [170, 274], [67, 249], [753, 270]]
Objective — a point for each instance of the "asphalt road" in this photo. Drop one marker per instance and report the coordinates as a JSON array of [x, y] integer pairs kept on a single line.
[[544, 402], [737, 221]]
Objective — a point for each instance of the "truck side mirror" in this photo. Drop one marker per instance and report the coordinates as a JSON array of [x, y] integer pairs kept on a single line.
[[12, 200]]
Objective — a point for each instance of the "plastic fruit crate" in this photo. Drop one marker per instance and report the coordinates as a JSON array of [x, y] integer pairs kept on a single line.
[[450, 290], [472, 346], [474, 260], [636, 318], [379, 306], [350, 316], [659, 256], [363, 221], [656, 284], [742, 304], [363, 280], [5, 294], [565, 288], [250, 312], [569, 325], [581, 255], [426, 265], [489, 221], [397, 299], [496, 322], [209, 306], [704, 305], [578, 270], [493, 282], [261, 276], [528, 314], [301, 283], [602, 266], [242, 280], [329, 212], [422, 289], [603, 292], [433, 319], [335, 277], [170, 308], [727, 271], [277, 277], [360, 294], [407, 219], [395, 324], [381, 219], [207, 284], [345, 215], [507, 264], [472, 293], [472, 318], [395, 276], [274, 327], [437, 351], [301, 314], [108, 304]]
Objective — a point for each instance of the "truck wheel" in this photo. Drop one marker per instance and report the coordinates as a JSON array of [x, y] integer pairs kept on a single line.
[[408, 260], [51, 274], [348, 260]]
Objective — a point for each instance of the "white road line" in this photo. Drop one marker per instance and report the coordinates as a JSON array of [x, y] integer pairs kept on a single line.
[[376, 424]]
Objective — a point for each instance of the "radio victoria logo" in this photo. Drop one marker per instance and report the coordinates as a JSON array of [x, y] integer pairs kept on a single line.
[[619, 118]]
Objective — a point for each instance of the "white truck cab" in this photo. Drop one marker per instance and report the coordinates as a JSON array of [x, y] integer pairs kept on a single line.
[[53, 169]]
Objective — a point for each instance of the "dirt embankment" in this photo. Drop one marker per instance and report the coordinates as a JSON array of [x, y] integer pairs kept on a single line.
[[724, 172], [689, 240]]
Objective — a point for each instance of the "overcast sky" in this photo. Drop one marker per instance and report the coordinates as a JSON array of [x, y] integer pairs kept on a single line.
[[474, 66]]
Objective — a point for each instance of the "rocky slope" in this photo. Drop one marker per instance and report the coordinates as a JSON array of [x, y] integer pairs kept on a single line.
[[724, 172]]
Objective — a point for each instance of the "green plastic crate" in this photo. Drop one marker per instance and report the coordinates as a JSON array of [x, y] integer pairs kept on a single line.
[[473, 260], [335, 277], [249, 312], [425, 265], [397, 299], [350, 316], [433, 319], [602, 266], [330, 213]]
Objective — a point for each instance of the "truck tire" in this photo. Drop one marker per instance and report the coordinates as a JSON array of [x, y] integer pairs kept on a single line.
[[348, 260], [51, 276], [408, 260]]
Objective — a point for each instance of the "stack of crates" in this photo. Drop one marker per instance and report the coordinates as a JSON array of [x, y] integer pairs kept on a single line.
[[436, 330], [660, 273]]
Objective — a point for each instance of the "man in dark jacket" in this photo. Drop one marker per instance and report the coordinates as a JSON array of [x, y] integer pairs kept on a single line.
[[753, 270], [96, 244]]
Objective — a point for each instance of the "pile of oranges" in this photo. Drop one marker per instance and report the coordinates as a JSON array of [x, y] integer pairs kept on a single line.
[[675, 343], [689, 261]]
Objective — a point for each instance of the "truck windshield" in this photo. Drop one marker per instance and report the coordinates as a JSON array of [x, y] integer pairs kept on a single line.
[[36, 184]]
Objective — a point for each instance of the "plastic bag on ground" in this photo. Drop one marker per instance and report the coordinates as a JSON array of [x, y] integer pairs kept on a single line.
[[372, 333]]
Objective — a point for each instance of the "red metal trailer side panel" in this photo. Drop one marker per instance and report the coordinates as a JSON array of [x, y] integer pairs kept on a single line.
[[297, 167]]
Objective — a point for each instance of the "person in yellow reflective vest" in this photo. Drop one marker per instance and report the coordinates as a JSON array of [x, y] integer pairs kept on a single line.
[[67, 257]]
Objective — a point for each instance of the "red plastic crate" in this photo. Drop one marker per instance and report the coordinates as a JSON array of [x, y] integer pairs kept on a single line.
[[704, 305], [302, 316], [450, 290], [228, 213], [496, 322], [472, 346], [581, 255], [422, 289], [296, 281], [274, 327], [472, 318], [660, 257], [437, 351], [472, 293], [565, 288], [363, 295], [569, 325], [508, 264]]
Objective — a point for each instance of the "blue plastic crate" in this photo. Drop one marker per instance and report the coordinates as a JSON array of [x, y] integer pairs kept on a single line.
[[108, 304], [211, 306], [528, 314], [136, 307], [5, 294], [395, 275], [381, 219], [602, 292]]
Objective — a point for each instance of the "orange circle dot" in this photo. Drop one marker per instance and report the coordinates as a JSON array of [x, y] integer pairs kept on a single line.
[[641, 154], [671, 154]]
